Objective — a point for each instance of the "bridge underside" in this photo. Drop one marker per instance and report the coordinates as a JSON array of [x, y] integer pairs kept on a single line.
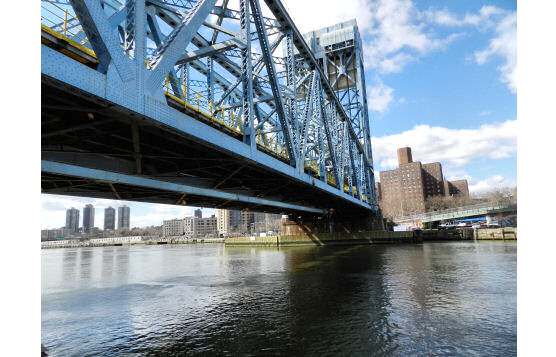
[[94, 148]]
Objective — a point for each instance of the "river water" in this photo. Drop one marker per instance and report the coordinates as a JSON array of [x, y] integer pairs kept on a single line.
[[431, 299]]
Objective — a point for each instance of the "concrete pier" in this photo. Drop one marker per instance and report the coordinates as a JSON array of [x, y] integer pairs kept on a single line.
[[371, 237]]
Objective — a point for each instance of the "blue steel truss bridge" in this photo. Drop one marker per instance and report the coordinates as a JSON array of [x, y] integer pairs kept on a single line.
[[197, 103]]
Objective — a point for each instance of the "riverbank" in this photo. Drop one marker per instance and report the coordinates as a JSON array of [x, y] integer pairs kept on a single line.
[[377, 237], [318, 239], [150, 241], [372, 237]]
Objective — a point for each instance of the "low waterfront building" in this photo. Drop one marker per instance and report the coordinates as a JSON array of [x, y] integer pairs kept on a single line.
[[116, 240], [173, 227], [58, 243], [55, 234], [195, 227]]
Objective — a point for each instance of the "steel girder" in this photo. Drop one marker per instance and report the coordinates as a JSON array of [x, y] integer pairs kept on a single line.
[[230, 58]]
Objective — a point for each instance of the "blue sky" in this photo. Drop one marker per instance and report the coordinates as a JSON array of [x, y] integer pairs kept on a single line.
[[440, 78]]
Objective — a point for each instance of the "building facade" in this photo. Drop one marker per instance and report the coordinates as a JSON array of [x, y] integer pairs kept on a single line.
[[55, 234], [228, 222], [173, 227], [198, 213], [72, 219], [457, 187], [123, 217], [195, 227], [404, 190], [109, 219], [88, 218], [247, 224]]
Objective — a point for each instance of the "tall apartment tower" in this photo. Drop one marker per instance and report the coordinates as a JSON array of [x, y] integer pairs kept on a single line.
[[88, 218], [198, 213], [404, 190], [223, 222], [109, 218], [228, 221], [123, 217], [72, 219]]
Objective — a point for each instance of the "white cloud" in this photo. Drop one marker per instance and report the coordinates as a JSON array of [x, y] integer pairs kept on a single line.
[[396, 32], [310, 15], [392, 33], [399, 34], [446, 18], [379, 97], [453, 147], [504, 45], [497, 182]]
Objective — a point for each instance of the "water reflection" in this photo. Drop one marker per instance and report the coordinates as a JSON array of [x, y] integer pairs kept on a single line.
[[430, 299], [69, 262], [107, 262]]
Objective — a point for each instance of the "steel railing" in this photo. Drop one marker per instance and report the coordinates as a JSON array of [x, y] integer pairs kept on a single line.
[[60, 21], [459, 210]]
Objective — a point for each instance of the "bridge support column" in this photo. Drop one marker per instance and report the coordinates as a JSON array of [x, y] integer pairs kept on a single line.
[[330, 223]]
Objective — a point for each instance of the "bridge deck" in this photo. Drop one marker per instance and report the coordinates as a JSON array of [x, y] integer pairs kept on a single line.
[[81, 129], [105, 136]]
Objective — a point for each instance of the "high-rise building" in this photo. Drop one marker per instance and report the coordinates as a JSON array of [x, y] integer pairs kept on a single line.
[[123, 217], [432, 179], [88, 218], [72, 219], [198, 213], [109, 218], [247, 222], [228, 221], [404, 190]]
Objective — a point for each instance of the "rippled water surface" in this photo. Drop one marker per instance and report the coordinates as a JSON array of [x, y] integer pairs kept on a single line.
[[434, 299]]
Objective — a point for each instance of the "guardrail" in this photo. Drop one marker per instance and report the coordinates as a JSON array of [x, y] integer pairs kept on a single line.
[[465, 210], [60, 21]]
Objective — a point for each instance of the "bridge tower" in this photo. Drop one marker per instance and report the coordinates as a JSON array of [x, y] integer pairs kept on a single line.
[[338, 50]]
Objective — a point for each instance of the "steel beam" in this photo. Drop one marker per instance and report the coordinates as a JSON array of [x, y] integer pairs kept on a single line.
[[103, 39], [273, 79], [117, 178], [172, 48]]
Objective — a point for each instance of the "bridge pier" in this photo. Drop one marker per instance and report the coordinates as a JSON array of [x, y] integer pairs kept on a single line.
[[332, 222]]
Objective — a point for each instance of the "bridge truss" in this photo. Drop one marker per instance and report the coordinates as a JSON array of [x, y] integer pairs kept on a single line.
[[222, 67]]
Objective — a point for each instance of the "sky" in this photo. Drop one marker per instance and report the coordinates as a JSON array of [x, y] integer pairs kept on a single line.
[[440, 78]]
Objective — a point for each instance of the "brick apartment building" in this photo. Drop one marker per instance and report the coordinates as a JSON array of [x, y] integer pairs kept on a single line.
[[412, 183]]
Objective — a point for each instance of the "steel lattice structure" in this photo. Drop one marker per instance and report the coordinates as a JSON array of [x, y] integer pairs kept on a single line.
[[303, 107]]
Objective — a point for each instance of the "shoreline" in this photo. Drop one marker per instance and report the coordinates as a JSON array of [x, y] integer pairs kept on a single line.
[[316, 239]]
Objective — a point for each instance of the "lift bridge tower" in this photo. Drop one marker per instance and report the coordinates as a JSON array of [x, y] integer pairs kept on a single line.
[[339, 52]]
